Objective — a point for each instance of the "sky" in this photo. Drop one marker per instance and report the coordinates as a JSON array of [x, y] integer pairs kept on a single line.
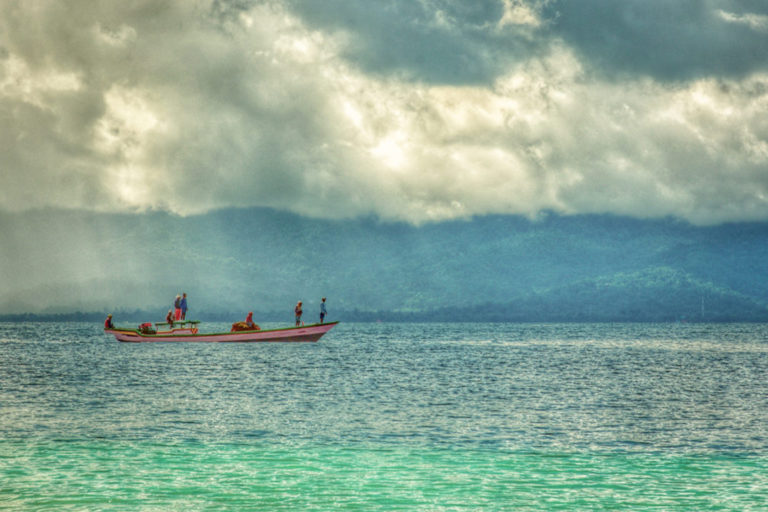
[[405, 110]]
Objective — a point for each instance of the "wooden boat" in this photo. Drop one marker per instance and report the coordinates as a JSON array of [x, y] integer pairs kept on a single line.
[[303, 333]]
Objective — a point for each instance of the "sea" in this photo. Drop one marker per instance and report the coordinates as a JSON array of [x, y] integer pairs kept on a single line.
[[390, 417]]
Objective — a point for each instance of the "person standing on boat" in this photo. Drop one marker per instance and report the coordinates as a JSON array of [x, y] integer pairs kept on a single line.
[[183, 305], [177, 308], [298, 312], [108, 323], [323, 312]]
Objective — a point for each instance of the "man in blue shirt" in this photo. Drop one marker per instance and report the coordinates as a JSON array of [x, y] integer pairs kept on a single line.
[[323, 312], [183, 305]]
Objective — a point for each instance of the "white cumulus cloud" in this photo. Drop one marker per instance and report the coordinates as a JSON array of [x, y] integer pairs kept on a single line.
[[189, 107]]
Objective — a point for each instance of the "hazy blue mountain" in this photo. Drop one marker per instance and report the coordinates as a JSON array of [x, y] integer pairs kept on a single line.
[[488, 268]]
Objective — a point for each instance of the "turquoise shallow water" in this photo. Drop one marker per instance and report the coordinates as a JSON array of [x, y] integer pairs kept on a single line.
[[389, 417]]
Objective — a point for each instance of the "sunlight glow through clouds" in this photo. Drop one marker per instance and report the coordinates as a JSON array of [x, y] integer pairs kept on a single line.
[[127, 124], [17, 80], [124, 135], [517, 12]]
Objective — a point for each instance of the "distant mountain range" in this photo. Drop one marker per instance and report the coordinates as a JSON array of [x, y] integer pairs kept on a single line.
[[494, 268]]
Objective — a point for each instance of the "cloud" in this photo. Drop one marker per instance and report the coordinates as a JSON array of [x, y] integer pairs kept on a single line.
[[519, 13], [757, 22], [486, 107]]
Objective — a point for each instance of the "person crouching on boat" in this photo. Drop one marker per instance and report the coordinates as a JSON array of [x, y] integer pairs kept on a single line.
[[108, 323], [298, 312], [248, 325], [169, 318]]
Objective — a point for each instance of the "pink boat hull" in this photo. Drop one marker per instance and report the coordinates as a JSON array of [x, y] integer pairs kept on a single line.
[[183, 330], [304, 333]]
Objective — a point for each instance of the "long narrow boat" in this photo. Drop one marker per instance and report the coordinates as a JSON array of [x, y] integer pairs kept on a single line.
[[304, 333]]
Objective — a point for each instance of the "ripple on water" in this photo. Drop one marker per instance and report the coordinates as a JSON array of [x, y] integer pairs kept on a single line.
[[435, 416]]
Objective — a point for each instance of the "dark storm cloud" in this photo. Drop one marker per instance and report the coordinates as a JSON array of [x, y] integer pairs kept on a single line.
[[441, 41], [457, 42], [668, 40]]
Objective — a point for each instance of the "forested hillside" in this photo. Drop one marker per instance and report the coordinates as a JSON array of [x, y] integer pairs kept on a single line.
[[490, 268]]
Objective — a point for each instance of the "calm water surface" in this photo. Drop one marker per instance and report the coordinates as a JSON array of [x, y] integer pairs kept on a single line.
[[388, 417]]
